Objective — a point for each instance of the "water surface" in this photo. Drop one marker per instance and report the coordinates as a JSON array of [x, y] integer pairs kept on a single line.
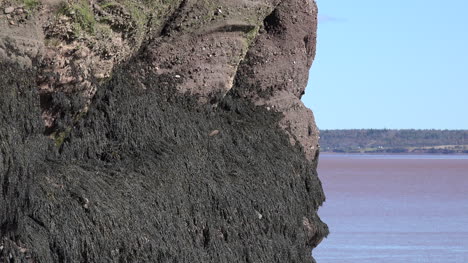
[[394, 208]]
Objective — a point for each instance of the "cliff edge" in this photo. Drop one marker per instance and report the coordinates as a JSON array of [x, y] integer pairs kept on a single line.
[[157, 131]]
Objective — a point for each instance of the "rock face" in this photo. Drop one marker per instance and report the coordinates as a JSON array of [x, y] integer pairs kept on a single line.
[[157, 131]]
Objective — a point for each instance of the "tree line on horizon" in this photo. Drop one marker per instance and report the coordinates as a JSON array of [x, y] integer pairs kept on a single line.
[[394, 141]]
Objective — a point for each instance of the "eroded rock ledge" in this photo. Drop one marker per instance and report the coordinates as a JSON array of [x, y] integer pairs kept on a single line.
[[151, 130]]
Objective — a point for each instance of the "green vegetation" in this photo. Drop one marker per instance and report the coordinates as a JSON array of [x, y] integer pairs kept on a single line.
[[27, 4], [394, 141], [30, 4], [140, 11], [130, 17], [108, 5], [82, 15], [59, 137], [52, 42], [251, 35]]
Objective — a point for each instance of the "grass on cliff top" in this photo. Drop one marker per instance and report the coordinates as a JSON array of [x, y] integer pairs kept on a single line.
[[82, 15], [139, 11], [27, 4], [30, 4]]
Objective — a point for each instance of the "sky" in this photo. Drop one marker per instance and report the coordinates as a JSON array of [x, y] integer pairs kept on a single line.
[[400, 64]]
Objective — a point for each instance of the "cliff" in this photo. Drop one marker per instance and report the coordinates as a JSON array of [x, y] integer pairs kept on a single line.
[[157, 131]]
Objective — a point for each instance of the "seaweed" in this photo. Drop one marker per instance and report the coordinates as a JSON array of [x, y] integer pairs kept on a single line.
[[139, 178]]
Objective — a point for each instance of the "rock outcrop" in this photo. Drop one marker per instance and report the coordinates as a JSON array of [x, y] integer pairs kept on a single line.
[[157, 131]]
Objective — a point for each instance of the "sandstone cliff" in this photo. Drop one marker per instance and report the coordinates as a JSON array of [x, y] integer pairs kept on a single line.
[[157, 131]]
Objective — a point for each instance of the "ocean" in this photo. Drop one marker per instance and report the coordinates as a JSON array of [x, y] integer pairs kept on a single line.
[[394, 208]]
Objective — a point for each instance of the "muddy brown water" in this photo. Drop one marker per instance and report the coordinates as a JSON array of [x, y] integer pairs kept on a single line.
[[394, 208]]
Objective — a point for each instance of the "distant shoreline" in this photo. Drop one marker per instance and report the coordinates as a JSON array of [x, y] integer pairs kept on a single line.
[[387, 153], [391, 156], [384, 141]]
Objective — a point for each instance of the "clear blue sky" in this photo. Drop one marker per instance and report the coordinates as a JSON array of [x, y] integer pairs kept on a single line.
[[390, 64]]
